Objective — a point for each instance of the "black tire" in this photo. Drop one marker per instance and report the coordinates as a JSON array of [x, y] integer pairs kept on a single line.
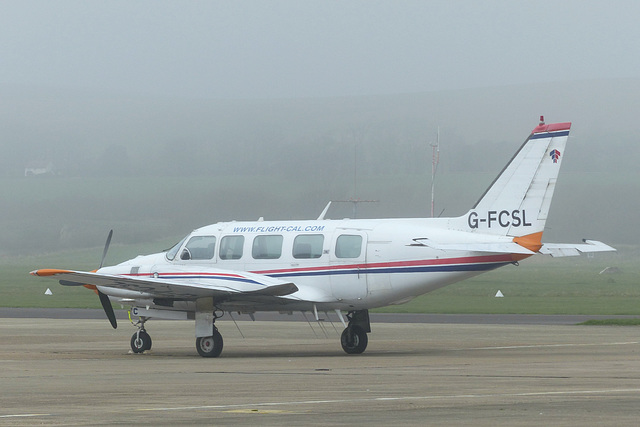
[[354, 340], [140, 342], [148, 338], [210, 346]]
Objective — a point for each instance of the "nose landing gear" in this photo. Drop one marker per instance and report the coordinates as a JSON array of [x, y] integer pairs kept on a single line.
[[141, 340]]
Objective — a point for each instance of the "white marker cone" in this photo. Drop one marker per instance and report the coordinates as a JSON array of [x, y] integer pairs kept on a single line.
[[499, 294]]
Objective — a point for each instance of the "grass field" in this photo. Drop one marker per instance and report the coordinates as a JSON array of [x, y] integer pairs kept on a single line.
[[19, 289], [543, 285], [540, 285]]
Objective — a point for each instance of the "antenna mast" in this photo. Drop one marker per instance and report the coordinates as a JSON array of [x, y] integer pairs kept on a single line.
[[355, 200], [435, 159]]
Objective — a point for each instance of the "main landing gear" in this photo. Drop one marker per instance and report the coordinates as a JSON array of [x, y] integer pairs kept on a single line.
[[210, 346], [354, 338]]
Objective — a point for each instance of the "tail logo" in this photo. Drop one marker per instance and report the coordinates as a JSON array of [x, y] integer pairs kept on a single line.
[[555, 155]]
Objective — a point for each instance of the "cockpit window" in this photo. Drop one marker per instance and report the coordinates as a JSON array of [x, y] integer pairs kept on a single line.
[[171, 253], [199, 248]]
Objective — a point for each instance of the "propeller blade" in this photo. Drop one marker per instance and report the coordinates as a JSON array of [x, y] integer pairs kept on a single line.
[[108, 309], [106, 248], [104, 299]]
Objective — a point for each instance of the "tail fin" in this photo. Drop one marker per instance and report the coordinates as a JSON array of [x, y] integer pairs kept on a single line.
[[517, 202]]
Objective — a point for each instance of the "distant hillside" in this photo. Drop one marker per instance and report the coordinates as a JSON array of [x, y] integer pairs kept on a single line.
[[112, 134]]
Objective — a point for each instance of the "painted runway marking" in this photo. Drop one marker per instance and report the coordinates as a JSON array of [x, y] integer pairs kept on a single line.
[[396, 399], [548, 345], [24, 415]]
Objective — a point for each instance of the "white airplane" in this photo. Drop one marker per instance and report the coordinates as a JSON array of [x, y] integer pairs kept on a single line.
[[337, 265]]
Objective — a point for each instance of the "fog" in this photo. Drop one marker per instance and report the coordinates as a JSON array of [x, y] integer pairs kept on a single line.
[[154, 118], [285, 49]]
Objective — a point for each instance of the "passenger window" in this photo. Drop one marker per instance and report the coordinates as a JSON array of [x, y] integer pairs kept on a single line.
[[348, 246], [199, 248], [231, 247], [267, 247], [308, 246]]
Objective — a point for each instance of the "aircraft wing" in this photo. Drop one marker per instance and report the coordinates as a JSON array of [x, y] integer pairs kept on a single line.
[[222, 284], [568, 249]]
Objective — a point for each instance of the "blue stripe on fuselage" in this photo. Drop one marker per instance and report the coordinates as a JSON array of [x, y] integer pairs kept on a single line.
[[394, 270]]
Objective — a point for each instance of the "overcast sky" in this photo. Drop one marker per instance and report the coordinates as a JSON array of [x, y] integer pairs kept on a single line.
[[276, 49]]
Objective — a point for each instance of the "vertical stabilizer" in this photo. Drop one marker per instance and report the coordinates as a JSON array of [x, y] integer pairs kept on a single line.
[[517, 202]]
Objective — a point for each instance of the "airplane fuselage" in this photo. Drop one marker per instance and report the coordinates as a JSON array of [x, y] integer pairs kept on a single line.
[[345, 264]]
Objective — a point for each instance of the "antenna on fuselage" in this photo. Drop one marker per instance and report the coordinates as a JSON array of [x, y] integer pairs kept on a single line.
[[324, 211], [355, 202]]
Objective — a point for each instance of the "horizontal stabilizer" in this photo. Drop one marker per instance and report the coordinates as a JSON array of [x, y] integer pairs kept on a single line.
[[569, 249]]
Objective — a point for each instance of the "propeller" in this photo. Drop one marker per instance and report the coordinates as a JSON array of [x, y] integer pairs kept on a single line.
[[104, 299], [106, 248]]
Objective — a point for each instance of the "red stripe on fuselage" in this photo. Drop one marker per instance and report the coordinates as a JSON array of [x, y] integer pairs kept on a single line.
[[361, 266], [414, 263]]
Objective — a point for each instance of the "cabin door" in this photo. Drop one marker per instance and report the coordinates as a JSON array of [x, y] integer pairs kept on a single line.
[[348, 255]]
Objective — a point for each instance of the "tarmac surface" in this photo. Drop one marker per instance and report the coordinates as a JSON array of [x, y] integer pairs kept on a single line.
[[82, 372], [513, 319]]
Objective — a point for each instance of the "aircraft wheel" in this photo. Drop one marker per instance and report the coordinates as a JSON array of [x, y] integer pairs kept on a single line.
[[140, 342], [354, 340], [148, 346], [210, 346]]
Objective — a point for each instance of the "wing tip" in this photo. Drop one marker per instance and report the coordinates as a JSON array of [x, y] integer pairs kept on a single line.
[[45, 272]]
